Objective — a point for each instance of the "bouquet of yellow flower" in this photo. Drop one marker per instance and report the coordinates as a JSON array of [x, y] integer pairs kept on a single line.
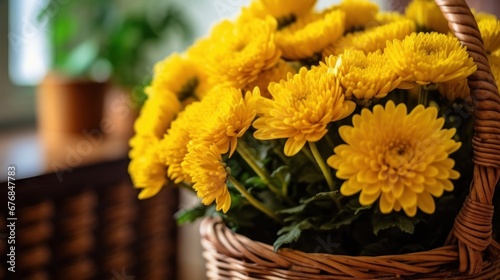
[[292, 124]]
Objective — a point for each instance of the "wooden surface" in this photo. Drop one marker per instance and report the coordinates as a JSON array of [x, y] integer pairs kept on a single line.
[[35, 151], [33, 156]]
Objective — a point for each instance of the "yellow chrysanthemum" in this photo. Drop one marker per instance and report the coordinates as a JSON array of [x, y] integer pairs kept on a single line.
[[456, 89], [277, 73], [173, 146], [482, 15], [301, 109], [426, 58], [146, 170], [372, 39], [495, 67], [310, 34], [490, 32], [236, 53], [401, 158], [180, 75], [358, 13], [229, 117], [139, 144], [208, 172], [385, 17], [427, 15], [364, 76], [282, 10], [157, 113]]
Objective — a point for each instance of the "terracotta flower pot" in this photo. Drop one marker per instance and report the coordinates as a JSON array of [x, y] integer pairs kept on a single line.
[[69, 106]]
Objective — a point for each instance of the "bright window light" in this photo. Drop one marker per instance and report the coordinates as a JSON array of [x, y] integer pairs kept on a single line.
[[29, 50]]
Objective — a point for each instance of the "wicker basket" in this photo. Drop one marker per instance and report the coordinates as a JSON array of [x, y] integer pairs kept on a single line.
[[470, 251]]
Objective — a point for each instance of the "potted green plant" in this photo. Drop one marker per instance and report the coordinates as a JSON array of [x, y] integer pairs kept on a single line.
[[98, 45]]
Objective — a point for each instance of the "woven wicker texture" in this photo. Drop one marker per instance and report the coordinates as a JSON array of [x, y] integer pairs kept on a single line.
[[95, 233], [469, 253]]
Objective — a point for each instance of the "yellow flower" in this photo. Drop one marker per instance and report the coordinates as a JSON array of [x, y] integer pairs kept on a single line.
[[301, 109], [490, 32], [364, 76], [383, 18], [236, 53], [173, 146], [310, 34], [229, 116], [220, 118], [456, 89], [139, 144], [427, 15], [180, 75], [146, 170], [372, 39], [277, 73], [284, 11], [482, 15], [358, 13], [426, 58], [401, 158], [460, 89], [157, 113], [208, 172], [495, 68]]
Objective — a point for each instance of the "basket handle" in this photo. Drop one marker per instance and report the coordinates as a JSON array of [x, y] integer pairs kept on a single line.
[[472, 231]]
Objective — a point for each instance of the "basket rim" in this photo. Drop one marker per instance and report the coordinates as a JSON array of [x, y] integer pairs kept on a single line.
[[222, 245]]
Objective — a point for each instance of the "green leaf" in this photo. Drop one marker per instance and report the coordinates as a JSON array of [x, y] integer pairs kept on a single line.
[[346, 216], [269, 199], [190, 215], [382, 225], [357, 210], [256, 182], [81, 58], [291, 233], [403, 223], [322, 196], [340, 220], [294, 210], [281, 177]]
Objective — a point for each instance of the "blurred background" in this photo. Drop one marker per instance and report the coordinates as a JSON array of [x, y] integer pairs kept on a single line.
[[72, 74]]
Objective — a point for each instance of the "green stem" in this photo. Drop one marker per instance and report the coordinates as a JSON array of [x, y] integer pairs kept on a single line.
[[310, 157], [244, 152], [324, 168], [322, 165], [422, 96], [257, 204], [252, 161]]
